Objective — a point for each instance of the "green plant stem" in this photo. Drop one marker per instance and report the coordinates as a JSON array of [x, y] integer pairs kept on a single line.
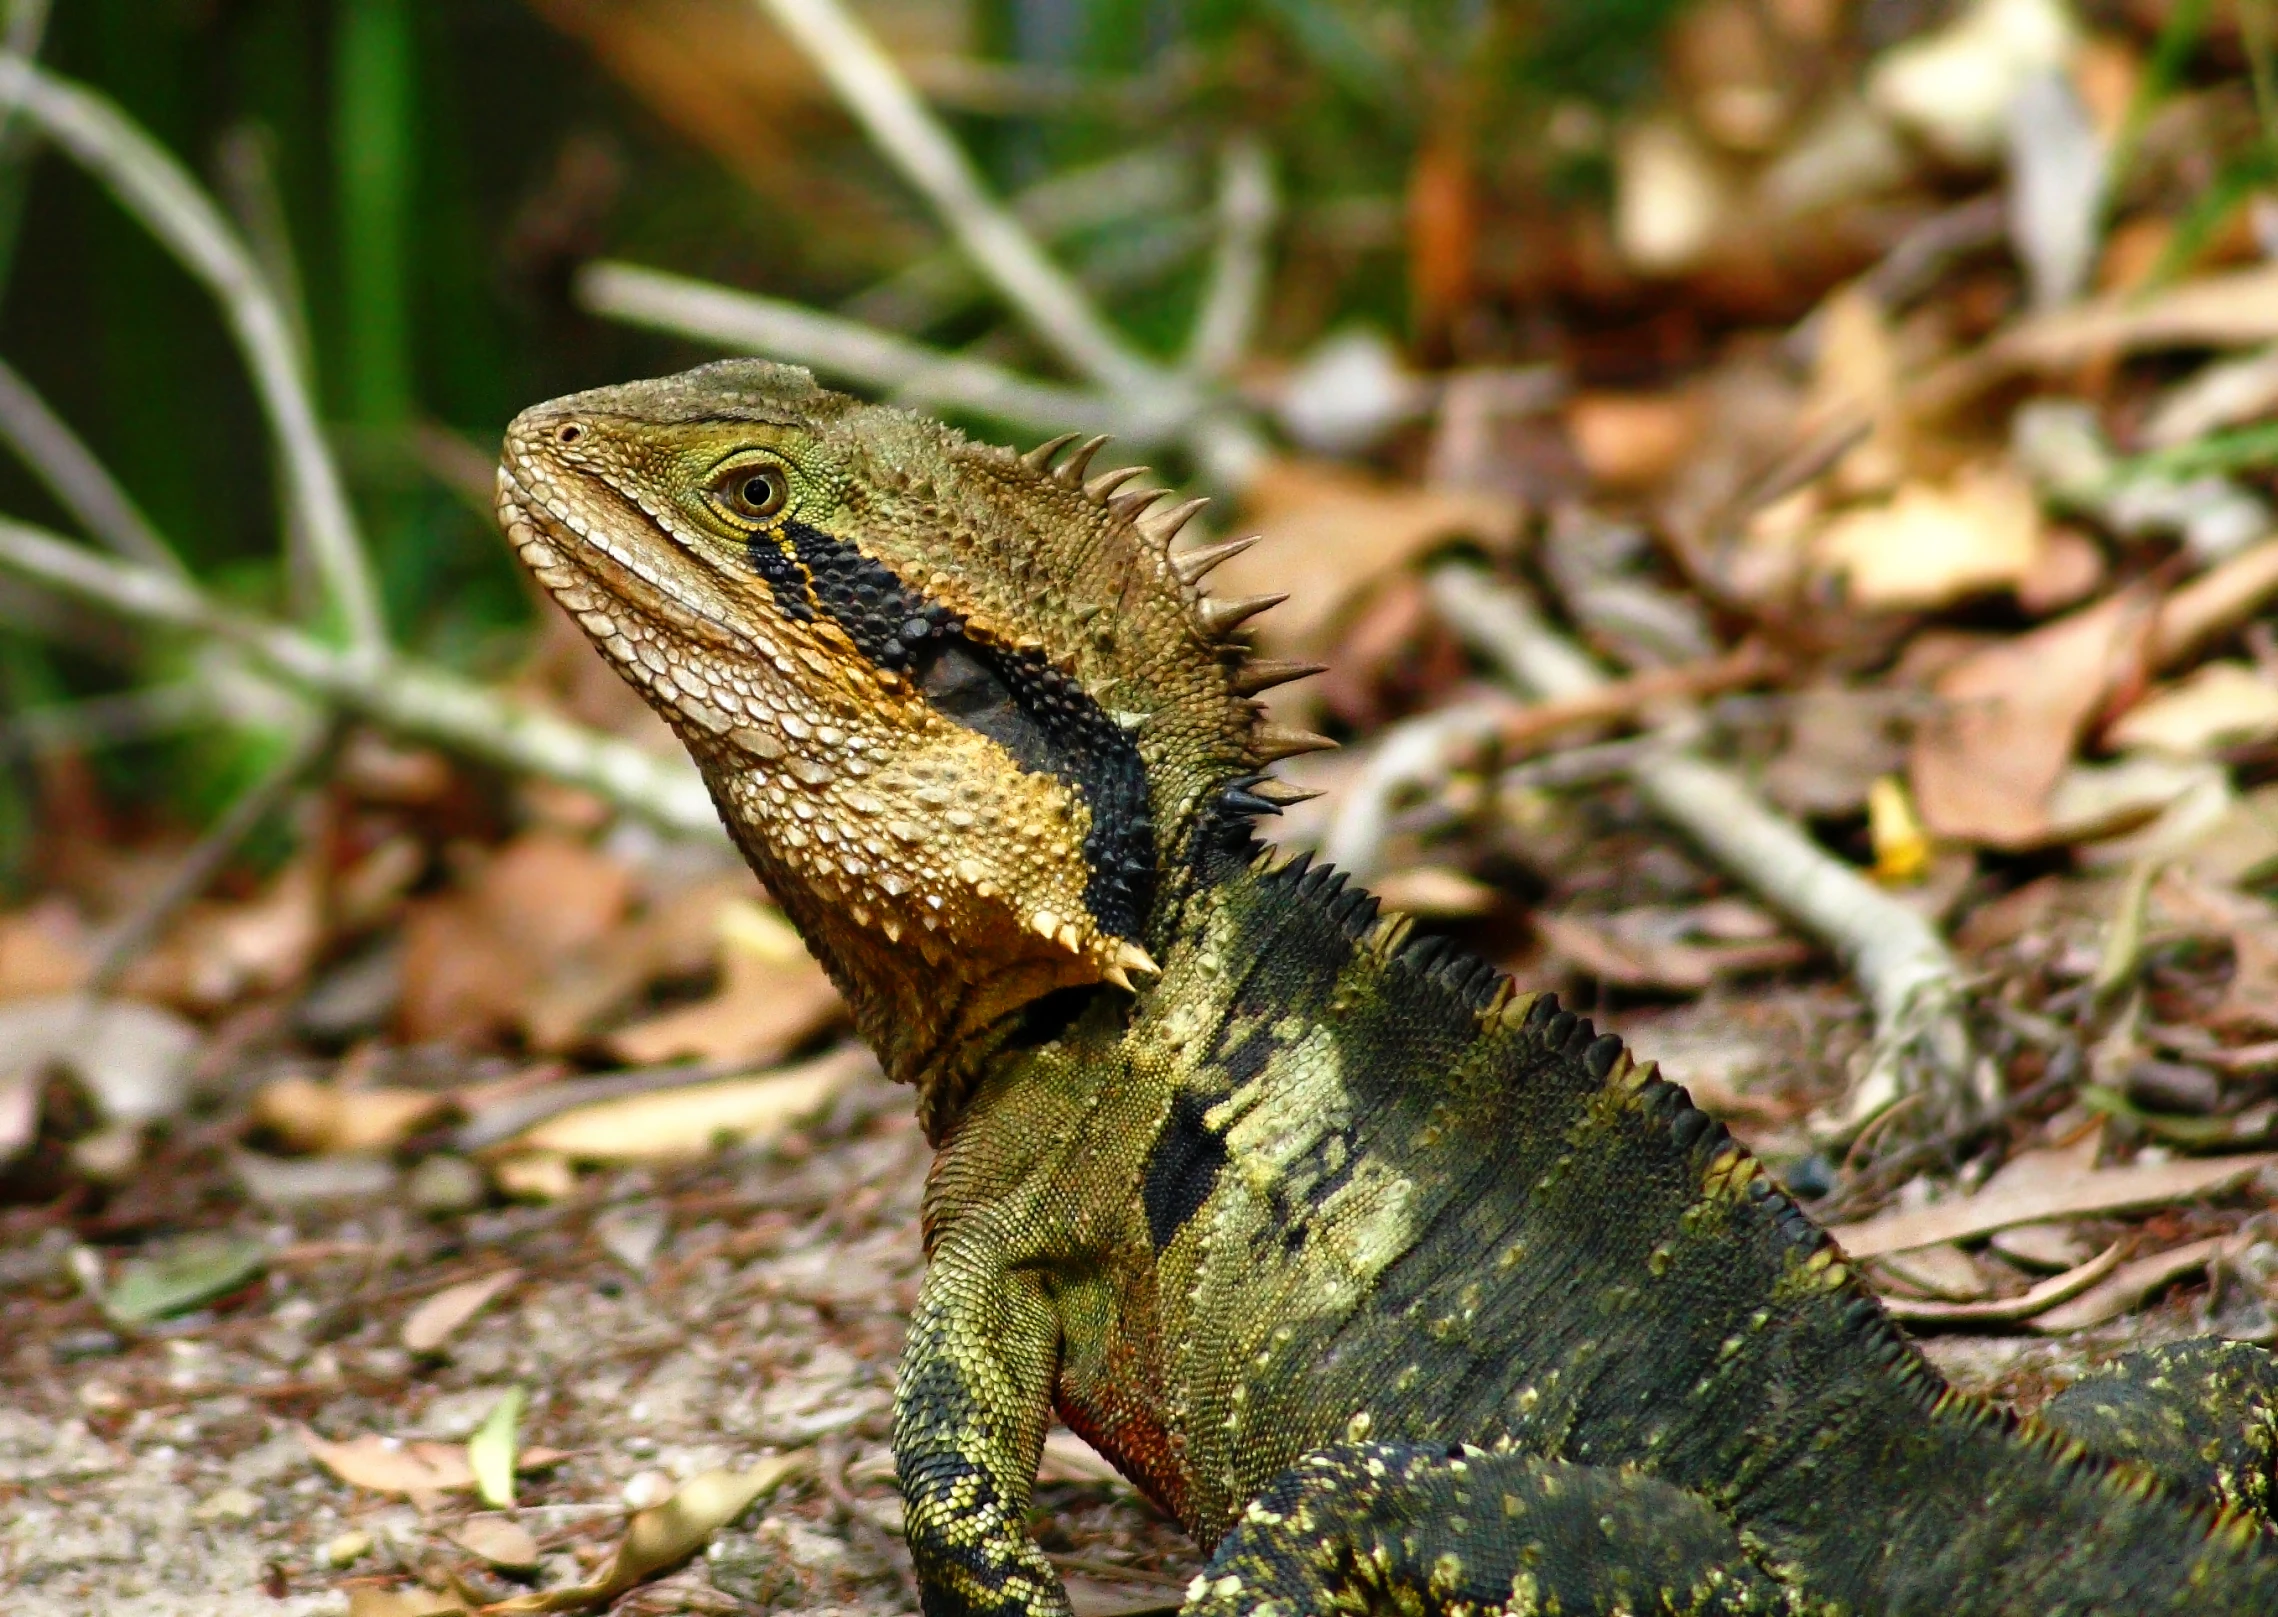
[[372, 152]]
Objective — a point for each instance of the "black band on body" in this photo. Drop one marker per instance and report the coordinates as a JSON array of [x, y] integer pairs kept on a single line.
[[1045, 720]]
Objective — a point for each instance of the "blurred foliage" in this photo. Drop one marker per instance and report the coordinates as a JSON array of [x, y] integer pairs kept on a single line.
[[424, 174]]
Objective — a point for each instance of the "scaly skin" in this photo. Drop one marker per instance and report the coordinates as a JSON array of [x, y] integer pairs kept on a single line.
[[1402, 1289]]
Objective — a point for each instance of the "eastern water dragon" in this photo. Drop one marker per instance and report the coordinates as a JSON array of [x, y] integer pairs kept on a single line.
[[1401, 1288]]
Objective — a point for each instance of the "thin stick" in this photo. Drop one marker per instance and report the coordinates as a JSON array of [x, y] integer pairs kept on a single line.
[[1622, 699], [415, 699], [1247, 206], [1411, 753], [1910, 977], [149, 184], [80, 483], [100, 721], [1150, 181], [879, 95], [1421, 750], [875, 359]]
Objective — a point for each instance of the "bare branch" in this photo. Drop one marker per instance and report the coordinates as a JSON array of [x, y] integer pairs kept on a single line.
[[1415, 752], [1247, 205], [879, 95], [412, 698], [152, 186], [80, 483], [881, 360], [1151, 181], [1910, 977]]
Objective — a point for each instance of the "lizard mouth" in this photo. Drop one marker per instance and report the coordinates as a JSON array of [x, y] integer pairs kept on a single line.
[[587, 574]]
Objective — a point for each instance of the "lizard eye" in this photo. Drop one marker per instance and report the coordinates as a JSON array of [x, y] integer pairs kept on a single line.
[[752, 492]]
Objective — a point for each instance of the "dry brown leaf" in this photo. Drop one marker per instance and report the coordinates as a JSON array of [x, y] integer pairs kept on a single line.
[[2215, 311], [306, 1115], [43, 950], [2067, 568], [1332, 534], [691, 1120], [547, 894], [2042, 1246], [216, 953], [364, 1600], [1068, 1458], [1943, 1271], [2106, 1190], [1673, 198], [1435, 890], [772, 997], [536, 1176], [436, 1320], [461, 983], [386, 1465], [499, 1541], [416, 1466], [1630, 440], [1930, 545], [2145, 805], [2049, 1168], [662, 1536], [2130, 1285], [471, 958], [2220, 703], [1855, 378], [2036, 1301], [2010, 715], [677, 937]]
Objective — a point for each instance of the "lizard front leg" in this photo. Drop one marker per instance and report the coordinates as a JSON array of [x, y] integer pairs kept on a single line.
[[969, 1420]]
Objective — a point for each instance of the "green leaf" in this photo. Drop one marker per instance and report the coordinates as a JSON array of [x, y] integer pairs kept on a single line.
[[181, 1274], [490, 1452]]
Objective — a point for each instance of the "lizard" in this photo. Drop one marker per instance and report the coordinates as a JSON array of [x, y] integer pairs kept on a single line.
[[1399, 1287]]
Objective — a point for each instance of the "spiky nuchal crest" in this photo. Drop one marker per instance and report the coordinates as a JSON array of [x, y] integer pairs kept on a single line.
[[960, 704]]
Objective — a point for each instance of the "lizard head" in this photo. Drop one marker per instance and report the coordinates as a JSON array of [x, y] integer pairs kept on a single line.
[[962, 708]]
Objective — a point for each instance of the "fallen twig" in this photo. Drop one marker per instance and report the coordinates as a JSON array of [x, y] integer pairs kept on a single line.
[[1246, 208], [152, 186], [2128, 1286], [1412, 753], [905, 130], [1129, 394], [1150, 181], [412, 698], [2038, 1299], [1421, 750], [80, 483], [882, 360], [1910, 977], [2107, 1190]]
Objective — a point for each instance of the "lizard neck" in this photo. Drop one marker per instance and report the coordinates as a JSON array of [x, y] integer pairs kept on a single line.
[[941, 1017]]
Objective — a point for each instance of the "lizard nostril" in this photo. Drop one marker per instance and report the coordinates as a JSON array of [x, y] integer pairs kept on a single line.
[[569, 434]]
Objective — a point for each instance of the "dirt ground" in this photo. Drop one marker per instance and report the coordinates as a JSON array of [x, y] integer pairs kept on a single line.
[[664, 1324]]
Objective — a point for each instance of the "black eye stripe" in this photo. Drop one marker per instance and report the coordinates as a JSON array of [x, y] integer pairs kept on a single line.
[[1048, 723]]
